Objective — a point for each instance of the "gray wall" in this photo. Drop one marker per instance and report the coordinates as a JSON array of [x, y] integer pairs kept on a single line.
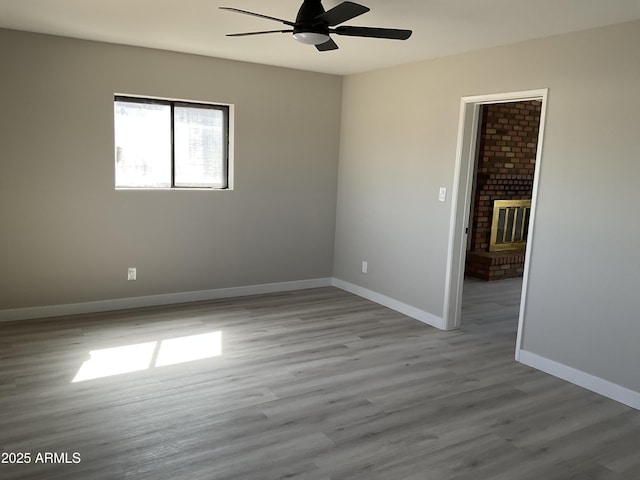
[[67, 236], [399, 132]]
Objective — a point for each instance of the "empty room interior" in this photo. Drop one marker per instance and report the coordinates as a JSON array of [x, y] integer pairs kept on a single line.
[[396, 240]]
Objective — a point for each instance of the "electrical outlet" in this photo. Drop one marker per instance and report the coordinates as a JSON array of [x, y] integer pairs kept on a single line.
[[365, 267], [131, 273]]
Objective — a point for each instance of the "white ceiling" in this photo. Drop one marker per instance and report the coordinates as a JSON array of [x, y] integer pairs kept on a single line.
[[441, 27]]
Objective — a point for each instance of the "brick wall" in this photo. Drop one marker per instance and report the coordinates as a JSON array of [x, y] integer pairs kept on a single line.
[[506, 163]]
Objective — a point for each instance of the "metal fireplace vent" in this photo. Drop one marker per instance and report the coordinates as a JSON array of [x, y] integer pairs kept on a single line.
[[510, 225]]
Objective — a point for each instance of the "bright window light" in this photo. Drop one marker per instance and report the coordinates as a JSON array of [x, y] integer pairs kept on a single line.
[[166, 144], [143, 145], [199, 143]]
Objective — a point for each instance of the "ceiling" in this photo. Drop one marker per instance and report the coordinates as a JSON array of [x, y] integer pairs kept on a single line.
[[441, 27]]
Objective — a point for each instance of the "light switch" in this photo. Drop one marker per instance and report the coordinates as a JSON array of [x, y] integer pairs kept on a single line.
[[442, 196]]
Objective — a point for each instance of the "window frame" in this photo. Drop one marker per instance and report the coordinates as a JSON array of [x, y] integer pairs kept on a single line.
[[172, 103]]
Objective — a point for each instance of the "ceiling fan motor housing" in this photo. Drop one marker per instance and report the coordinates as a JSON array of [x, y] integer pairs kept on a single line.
[[307, 29], [306, 20]]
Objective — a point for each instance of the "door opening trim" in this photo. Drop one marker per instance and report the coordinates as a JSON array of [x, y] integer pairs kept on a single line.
[[461, 199]]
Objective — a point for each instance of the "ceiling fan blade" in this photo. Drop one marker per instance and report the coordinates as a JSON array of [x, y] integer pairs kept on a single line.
[[341, 13], [390, 33], [246, 34], [326, 46], [237, 10]]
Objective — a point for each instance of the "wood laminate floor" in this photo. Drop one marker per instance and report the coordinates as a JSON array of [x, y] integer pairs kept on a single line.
[[316, 384]]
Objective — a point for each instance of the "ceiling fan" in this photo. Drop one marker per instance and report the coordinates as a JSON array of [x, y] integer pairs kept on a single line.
[[313, 24]]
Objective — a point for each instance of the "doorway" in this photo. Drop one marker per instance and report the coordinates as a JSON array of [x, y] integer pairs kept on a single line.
[[468, 138]]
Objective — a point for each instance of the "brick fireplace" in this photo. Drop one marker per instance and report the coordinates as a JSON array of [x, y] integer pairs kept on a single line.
[[505, 171]]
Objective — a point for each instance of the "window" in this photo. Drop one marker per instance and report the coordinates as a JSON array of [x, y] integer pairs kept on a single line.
[[171, 144]]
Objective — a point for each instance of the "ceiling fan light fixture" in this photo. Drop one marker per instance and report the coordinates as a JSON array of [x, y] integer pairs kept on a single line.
[[311, 38]]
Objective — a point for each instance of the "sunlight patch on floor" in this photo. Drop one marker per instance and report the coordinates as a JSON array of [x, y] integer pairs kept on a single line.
[[188, 349], [107, 362]]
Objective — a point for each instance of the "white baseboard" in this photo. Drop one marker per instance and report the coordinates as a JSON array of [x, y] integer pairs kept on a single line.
[[155, 300], [393, 304], [582, 379], [186, 297]]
